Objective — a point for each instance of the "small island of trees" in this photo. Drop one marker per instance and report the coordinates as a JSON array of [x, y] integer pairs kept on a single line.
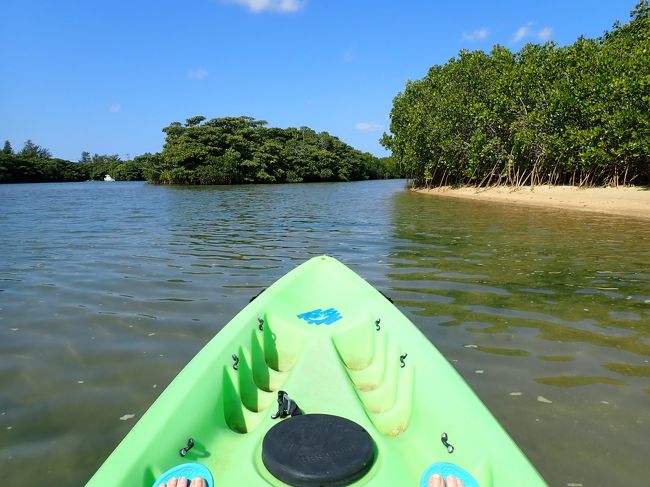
[[238, 150]]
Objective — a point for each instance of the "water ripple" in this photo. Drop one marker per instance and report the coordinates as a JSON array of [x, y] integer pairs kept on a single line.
[[98, 313]]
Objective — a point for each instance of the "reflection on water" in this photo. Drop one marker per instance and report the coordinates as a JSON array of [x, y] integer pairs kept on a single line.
[[546, 315], [106, 291]]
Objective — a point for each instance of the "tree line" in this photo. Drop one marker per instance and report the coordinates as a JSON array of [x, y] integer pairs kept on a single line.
[[229, 150], [35, 164], [578, 114]]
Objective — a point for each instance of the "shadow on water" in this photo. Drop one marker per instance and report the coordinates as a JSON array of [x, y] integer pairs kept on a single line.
[[545, 313]]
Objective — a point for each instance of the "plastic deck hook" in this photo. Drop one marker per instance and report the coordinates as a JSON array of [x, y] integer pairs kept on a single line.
[[402, 359], [235, 361], [190, 444], [444, 438]]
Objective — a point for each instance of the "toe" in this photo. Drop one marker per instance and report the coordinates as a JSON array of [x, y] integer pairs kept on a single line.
[[454, 482], [436, 481]]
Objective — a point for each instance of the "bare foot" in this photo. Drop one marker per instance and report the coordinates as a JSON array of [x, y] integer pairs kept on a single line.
[[436, 481], [182, 482]]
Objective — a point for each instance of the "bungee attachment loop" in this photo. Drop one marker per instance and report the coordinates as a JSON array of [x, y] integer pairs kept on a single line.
[[377, 324], [260, 324], [444, 438], [235, 361], [402, 359], [190, 444]]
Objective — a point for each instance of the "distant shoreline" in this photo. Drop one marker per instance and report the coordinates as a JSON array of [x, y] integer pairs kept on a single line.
[[624, 201]]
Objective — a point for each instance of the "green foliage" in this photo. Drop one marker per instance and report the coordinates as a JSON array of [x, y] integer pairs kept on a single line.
[[236, 150], [20, 168], [578, 114], [99, 165], [151, 166], [229, 150], [32, 150], [17, 168], [34, 164], [127, 171]]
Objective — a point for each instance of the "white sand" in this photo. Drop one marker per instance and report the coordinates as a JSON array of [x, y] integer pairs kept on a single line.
[[628, 201]]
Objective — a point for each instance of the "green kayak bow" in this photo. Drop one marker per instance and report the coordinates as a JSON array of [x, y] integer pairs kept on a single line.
[[320, 380]]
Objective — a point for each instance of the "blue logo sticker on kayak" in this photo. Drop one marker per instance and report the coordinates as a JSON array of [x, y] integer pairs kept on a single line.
[[321, 317]]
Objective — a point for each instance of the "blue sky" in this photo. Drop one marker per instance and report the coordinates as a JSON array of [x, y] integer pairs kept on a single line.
[[106, 76]]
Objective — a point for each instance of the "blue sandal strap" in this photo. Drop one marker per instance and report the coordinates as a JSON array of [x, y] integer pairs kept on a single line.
[[187, 470], [445, 469]]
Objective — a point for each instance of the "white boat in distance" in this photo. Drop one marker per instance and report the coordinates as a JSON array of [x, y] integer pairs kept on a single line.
[[108, 178]]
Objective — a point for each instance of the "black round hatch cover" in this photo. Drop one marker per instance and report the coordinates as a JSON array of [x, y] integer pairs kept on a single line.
[[318, 450]]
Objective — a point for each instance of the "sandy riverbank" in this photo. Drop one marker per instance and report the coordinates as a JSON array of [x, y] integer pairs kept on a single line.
[[630, 201]]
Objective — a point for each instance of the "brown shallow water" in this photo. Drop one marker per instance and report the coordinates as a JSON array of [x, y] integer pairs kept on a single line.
[[108, 289]]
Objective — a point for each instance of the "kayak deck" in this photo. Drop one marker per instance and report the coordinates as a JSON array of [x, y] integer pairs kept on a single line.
[[338, 347]]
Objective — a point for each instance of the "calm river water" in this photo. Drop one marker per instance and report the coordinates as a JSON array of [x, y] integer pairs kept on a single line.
[[108, 289]]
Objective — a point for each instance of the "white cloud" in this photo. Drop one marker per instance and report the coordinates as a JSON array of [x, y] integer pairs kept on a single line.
[[197, 74], [258, 6], [545, 33], [114, 108], [476, 35], [522, 32], [527, 31], [368, 127]]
